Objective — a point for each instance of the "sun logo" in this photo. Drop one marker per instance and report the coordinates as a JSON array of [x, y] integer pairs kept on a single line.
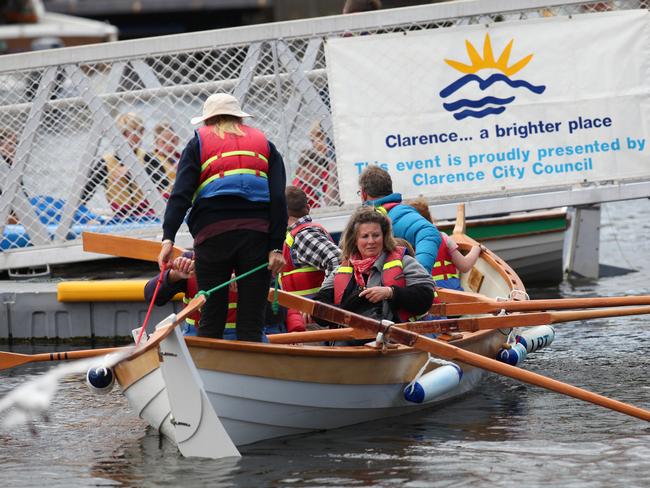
[[488, 61], [465, 107]]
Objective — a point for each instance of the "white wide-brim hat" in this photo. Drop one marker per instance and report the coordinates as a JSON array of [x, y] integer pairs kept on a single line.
[[220, 104]]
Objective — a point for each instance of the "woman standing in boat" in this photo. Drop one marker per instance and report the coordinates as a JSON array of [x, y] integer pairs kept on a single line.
[[232, 179], [376, 278]]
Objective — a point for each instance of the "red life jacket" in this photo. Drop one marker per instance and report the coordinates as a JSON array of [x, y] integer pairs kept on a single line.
[[443, 268], [300, 280], [391, 275], [314, 188], [192, 288], [235, 165]]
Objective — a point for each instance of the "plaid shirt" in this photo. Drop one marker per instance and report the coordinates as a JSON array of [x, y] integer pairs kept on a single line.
[[312, 247]]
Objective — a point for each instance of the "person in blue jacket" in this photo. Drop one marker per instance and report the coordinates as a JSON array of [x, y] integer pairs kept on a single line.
[[376, 188]]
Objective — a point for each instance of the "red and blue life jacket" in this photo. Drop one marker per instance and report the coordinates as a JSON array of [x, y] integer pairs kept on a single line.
[[234, 165]]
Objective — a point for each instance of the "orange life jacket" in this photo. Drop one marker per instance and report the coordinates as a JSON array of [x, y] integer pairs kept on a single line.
[[122, 191], [234, 165]]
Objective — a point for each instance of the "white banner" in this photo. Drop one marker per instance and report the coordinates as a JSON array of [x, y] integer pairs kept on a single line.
[[512, 106]]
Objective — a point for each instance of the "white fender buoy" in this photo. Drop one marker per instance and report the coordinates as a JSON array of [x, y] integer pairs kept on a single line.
[[513, 355], [433, 384], [536, 338], [100, 380]]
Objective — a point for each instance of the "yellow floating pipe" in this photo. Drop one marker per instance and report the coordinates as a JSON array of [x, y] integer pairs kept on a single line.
[[103, 291]]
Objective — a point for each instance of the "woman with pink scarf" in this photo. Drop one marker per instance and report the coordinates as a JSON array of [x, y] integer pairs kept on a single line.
[[376, 277]]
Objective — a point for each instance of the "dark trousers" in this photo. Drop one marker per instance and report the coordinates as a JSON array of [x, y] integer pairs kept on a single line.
[[215, 259]]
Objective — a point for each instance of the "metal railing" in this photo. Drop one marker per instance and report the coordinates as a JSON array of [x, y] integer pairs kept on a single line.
[[67, 159]]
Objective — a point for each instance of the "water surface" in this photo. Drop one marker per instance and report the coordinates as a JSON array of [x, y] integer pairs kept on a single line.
[[504, 434]]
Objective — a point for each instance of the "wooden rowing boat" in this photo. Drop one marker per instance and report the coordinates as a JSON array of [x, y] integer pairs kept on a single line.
[[263, 391]]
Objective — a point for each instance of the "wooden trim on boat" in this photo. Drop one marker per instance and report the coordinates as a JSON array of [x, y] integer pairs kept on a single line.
[[512, 218], [499, 265], [316, 364], [128, 372]]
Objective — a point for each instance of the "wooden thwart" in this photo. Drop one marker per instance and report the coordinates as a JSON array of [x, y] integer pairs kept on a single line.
[[452, 353]]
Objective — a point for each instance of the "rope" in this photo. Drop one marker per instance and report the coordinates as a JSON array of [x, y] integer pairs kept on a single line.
[[153, 300], [243, 275], [206, 293], [615, 234], [275, 305], [518, 293]]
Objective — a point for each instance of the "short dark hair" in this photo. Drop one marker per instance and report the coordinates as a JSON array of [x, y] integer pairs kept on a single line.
[[376, 182], [297, 202], [354, 6]]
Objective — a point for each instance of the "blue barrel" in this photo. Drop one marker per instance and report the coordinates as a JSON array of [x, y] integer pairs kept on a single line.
[[434, 384]]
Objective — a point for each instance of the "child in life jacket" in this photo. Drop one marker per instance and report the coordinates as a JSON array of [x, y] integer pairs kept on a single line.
[[450, 261]]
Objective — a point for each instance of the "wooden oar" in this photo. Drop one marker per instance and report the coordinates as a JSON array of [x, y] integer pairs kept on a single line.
[[470, 324], [325, 335], [123, 246], [11, 360], [493, 306], [453, 353]]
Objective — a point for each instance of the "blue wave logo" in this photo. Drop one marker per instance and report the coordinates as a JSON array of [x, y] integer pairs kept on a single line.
[[486, 104]]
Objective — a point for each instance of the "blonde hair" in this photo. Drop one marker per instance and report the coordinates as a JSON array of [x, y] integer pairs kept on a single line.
[[365, 215], [224, 123], [130, 121]]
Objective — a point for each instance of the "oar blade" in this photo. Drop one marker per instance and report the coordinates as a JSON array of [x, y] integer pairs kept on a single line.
[[10, 360], [124, 246]]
